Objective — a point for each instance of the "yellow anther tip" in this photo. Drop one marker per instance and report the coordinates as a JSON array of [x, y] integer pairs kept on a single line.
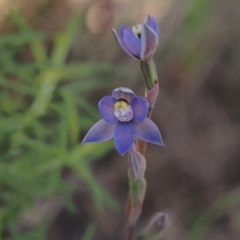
[[137, 31], [121, 104], [116, 105]]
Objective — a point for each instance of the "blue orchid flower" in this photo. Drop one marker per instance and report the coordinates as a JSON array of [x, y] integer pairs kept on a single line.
[[141, 41], [124, 118]]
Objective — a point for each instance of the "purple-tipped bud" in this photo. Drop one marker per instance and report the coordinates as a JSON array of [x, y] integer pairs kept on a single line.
[[140, 41], [153, 231], [157, 223]]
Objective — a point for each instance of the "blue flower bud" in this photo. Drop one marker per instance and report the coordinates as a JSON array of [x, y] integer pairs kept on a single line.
[[140, 41]]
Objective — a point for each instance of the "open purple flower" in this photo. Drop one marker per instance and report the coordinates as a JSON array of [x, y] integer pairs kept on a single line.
[[141, 41], [124, 118]]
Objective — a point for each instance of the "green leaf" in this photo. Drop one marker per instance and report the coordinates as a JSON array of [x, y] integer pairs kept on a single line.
[[89, 233], [38, 233], [21, 183], [16, 86], [10, 124], [99, 195], [21, 38], [89, 152], [71, 115], [63, 40], [36, 45], [77, 161], [220, 207]]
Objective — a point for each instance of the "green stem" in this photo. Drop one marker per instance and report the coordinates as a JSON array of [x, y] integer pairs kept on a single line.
[[150, 78], [149, 73], [137, 185], [137, 190]]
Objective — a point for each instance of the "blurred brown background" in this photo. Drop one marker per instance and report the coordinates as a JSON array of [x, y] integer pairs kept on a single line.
[[196, 176]]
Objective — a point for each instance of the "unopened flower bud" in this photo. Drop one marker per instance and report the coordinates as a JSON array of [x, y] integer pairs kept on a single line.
[[137, 164], [152, 94], [140, 41], [157, 223], [155, 227]]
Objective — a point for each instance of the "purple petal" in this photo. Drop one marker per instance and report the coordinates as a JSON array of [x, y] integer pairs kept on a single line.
[[152, 23], [119, 41], [101, 131], [149, 42], [148, 131], [122, 29], [123, 93], [131, 42], [106, 108], [124, 137], [140, 109]]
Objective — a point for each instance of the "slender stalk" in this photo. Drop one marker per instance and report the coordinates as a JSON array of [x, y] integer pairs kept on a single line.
[[150, 79], [137, 190], [149, 73], [129, 231], [137, 162]]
